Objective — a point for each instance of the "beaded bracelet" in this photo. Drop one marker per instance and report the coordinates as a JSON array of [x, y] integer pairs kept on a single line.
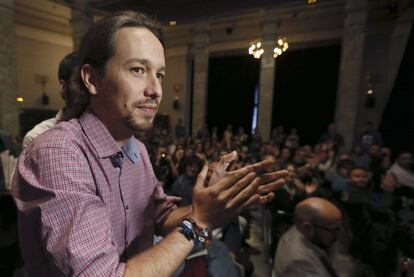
[[192, 231]]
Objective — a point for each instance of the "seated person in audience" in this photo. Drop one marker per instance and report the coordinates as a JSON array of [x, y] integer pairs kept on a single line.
[[68, 89], [371, 221], [403, 173], [325, 161], [163, 167], [386, 157], [303, 249], [228, 136], [331, 173], [242, 136], [285, 157], [403, 170], [280, 135], [366, 138], [373, 161], [360, 190], [299, 157], [179, 129], [308, 183], [281, 208], [292, 140], [340, 181], [183, 186], [87, 198], [332, 136], [203, 134], [199, 152]]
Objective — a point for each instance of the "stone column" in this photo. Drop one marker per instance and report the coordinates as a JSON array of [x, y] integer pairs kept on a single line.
[[9, 119], [267, 69], [350, 72], [81, 19], [200, 73]]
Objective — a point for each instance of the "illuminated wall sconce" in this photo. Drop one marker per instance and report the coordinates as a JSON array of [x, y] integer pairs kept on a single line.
[[19, 99], [176, 104], [43, 79], [370, 97], [45, 98]]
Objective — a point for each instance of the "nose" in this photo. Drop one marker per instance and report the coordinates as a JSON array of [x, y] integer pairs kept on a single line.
[[153, 87]]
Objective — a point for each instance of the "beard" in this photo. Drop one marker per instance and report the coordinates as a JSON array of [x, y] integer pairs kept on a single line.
[[138, 125], [142, 122]]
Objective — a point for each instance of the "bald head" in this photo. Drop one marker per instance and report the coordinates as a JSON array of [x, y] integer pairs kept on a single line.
[[318, 220], [317, 210]]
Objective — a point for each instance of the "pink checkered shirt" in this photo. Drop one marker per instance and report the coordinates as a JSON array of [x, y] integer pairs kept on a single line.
[[81, 211]]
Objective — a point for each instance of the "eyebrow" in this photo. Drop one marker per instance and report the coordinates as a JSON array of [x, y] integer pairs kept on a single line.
[[145, 62]]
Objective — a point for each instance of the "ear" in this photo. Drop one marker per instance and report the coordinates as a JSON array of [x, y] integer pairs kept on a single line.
[[307, 229], [89, 78], [62, 88]]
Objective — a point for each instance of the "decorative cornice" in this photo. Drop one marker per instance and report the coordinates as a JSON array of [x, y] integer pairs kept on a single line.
[[44, 36], [43, 15]]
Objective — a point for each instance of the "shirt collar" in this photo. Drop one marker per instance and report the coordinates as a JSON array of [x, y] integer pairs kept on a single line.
[[98, 135], [131, 149]]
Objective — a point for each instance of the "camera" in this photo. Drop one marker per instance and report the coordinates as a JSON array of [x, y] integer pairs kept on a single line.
[[163, 159]]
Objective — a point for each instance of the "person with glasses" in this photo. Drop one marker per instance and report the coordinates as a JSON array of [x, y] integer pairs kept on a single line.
[[303, 249]]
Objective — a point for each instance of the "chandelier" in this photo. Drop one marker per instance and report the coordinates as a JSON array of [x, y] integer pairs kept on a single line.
[[281, 47], [257, 51]]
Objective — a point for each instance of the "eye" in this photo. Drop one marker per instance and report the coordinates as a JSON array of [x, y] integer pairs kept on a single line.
[[137, 70], [160, 76]]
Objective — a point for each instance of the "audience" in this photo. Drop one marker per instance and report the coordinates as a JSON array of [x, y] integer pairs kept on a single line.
[[375, 193]]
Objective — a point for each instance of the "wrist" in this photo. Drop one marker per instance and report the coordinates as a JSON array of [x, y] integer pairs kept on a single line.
[[192, 231], [198, 222]]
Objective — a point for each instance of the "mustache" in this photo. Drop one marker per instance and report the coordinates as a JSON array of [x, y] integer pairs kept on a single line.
[[150, 102]]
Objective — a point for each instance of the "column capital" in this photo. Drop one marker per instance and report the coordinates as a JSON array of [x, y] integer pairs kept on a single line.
[[201, 35], [201, 27]]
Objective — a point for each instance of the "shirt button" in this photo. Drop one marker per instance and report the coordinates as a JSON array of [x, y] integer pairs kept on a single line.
[[126, 207]]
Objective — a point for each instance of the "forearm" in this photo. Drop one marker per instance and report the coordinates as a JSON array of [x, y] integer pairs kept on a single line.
[[162, 259], [175, 218]]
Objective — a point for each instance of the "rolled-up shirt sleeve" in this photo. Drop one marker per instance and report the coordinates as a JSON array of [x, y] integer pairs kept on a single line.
[[61, 216]]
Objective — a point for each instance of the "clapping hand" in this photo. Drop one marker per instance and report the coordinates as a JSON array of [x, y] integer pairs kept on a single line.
[[226, 193]]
